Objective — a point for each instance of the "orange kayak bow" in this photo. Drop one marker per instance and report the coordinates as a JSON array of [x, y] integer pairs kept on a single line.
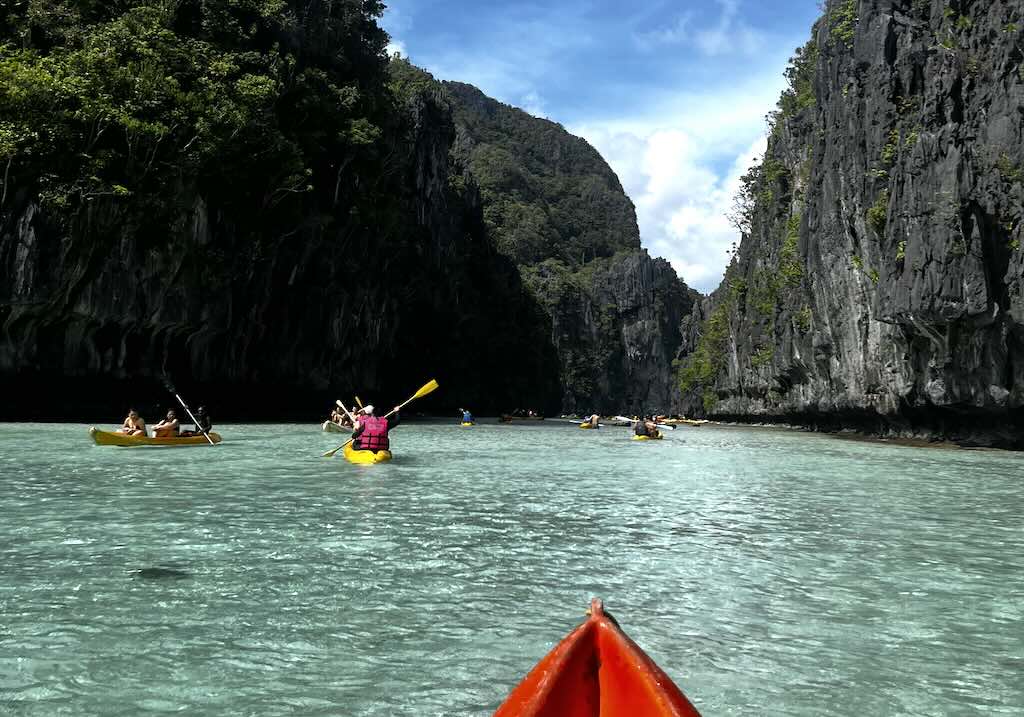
[[597, 671]]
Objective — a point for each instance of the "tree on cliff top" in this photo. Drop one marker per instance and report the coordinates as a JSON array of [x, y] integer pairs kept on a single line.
[[259, 101]]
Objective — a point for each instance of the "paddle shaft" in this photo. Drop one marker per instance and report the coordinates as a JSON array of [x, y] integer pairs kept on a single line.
[[194, 420], [347, 412]]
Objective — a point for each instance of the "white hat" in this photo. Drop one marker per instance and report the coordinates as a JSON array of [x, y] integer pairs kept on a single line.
[[368, 409]]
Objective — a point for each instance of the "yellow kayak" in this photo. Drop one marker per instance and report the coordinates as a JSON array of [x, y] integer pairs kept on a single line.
[[365, 457], [112, 438], [470, 423], [586, 427], [657, 437]]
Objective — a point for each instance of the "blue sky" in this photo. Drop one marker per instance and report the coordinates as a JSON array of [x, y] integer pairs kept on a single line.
[[673, 94]]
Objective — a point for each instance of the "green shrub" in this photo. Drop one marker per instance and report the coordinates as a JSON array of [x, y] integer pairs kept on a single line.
[[844, 23], [790, 266], [1008, 169], [762, 357], [877, 215], [891, 148], [802, 319]]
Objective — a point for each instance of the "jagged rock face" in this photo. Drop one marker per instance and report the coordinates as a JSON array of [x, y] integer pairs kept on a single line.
[[881, 284], [616, 329], [260, 317], [555, 207]]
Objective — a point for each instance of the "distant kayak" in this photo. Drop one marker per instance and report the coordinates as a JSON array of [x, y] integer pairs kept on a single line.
[[684, 422], [112, 438], [332, 427], [365, 457], [509, 419], [597, 671], [468, 423], [657, 437], [588, 427]]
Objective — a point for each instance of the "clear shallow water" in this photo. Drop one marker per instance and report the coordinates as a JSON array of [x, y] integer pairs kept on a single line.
[[769, 572]]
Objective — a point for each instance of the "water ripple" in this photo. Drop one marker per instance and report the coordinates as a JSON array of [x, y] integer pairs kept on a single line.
[[769, 572]]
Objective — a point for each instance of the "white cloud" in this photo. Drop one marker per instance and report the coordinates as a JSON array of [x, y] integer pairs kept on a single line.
[[681, 165], [729, 35], [674, 34], [396, 47], [532, 103]]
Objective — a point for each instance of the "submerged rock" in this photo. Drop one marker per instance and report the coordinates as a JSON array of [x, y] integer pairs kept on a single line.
[[161, 573]]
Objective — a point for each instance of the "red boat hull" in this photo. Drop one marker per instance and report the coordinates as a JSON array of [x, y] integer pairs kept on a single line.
[[597, 671]]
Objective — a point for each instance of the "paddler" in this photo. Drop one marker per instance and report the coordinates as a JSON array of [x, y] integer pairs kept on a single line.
[[133, 425], [167, 428], [593, 421], [371, 433], [642, 427], [203, 423], [467, 417]]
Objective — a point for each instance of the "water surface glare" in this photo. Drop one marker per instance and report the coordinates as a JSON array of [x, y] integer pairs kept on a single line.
[[769, 572]]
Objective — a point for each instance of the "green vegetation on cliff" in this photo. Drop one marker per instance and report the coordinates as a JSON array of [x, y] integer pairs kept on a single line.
[[123, 99], [547, 194], [240, 192]]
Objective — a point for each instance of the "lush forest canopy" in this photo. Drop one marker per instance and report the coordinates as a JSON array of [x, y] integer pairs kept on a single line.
[[122, 97]]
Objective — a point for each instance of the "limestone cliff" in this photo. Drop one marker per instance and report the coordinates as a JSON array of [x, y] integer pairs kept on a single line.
[[880, 280], [371, 272], [555, 206]]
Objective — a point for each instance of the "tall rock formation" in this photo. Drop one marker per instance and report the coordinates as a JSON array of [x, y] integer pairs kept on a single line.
[[557, 209], [880, 280], [281, 228]]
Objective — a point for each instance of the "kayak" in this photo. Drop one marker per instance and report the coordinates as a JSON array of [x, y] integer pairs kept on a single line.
[[468, 423], [657, 437], [597, 671], [365, 457], [112, 438], [332, 427], [683, 422], [509, 419], [588, 427]]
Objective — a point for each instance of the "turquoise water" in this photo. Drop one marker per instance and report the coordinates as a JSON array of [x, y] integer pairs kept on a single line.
[[769, 572]]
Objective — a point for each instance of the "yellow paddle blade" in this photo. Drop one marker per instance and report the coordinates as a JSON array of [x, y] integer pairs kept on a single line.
[[428, 388], [359, 401]]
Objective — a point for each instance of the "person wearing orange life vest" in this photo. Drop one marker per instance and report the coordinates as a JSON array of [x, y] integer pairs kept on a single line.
[[371, 433]]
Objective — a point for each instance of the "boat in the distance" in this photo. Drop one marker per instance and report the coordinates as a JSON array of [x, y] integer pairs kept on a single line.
[[113, 438], [508, 418], [683, 421], [597, 671], [332, 427]]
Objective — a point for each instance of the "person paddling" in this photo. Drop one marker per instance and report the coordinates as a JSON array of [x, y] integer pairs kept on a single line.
[[642, 427], [167, 428], [133, 425], [371, 433], [593, 421], [467, 417], [203, 423]]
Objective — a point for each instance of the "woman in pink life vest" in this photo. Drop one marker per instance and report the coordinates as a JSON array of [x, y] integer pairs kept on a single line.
[[371, 433]]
